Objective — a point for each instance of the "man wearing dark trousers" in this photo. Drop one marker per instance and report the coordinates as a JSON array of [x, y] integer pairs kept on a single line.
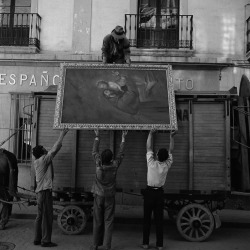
[[104, 190], [44, 175], [154, 194]]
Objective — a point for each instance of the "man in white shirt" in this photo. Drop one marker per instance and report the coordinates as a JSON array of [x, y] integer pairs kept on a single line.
[[44, 175], [154, 194]]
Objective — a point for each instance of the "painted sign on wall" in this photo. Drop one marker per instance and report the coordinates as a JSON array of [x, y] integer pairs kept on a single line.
[[30, 78], [27, 78]]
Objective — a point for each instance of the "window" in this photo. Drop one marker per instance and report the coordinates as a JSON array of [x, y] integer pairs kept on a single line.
[[148, 9], [21, 124], [158, 23], [15, 6], [18, 27]]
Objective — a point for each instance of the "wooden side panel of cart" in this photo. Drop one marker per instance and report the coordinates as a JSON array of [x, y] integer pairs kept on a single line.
[[201, 154]]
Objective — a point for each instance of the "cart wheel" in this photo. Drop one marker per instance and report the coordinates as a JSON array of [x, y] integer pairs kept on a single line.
[[72, 220], [195, 222]]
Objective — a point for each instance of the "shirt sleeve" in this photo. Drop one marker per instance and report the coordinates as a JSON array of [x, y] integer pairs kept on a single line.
[[95, 153], [150, 156], [126, 48], [105, 46], [52, 153]]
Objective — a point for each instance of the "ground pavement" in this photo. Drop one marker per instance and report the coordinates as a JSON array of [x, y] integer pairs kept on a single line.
[[233, 235]]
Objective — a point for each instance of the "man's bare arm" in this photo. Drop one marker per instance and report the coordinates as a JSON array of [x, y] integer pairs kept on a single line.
[[95, 149], [120, 154], [171, 144], [150, 140]]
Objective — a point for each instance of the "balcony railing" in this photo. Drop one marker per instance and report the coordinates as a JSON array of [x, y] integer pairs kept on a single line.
[[159, 31], [20, 29], [248, 34]]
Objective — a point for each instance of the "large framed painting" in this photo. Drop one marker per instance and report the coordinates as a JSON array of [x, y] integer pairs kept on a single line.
[[115, 96]]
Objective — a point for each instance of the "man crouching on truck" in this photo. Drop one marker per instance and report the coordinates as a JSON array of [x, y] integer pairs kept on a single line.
[[44, 175], [154, 194], [104, 189]]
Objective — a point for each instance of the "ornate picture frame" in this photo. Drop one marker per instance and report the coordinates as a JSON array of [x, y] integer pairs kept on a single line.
[[115, 97]]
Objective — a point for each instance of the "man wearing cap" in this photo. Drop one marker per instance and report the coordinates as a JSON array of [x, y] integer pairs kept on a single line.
[[116, 47]]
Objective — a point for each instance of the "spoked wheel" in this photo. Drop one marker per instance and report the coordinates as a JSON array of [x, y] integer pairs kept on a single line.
[[195, 222], [72, 220]]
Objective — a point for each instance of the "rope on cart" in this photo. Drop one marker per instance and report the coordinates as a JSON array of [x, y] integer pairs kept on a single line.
[[13, 202], [25, 189], [29, 200]]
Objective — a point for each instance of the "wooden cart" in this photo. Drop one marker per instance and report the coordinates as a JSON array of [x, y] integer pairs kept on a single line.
[[197, 184]]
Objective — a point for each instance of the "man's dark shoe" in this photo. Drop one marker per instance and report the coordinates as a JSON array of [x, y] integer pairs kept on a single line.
[[37, 242], [48, 244]]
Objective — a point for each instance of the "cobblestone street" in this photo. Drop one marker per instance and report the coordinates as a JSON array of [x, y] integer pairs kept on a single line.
[[233, 235]]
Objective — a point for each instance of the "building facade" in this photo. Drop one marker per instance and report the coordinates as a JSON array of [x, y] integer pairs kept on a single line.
[[206, 42]]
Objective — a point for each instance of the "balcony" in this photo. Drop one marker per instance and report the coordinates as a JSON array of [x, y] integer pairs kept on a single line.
[[159, 31], [248, 38], [20, 29]]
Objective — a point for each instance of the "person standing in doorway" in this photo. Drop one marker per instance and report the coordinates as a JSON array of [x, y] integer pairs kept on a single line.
[[104, 189], [44, 175], [154, 194]]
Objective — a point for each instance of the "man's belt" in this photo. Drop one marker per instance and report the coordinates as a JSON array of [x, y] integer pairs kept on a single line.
[[154, 188]]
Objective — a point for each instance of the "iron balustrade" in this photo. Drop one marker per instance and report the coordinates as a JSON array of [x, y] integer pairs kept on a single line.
[[159, 31], [20, 29], [248, 34]]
